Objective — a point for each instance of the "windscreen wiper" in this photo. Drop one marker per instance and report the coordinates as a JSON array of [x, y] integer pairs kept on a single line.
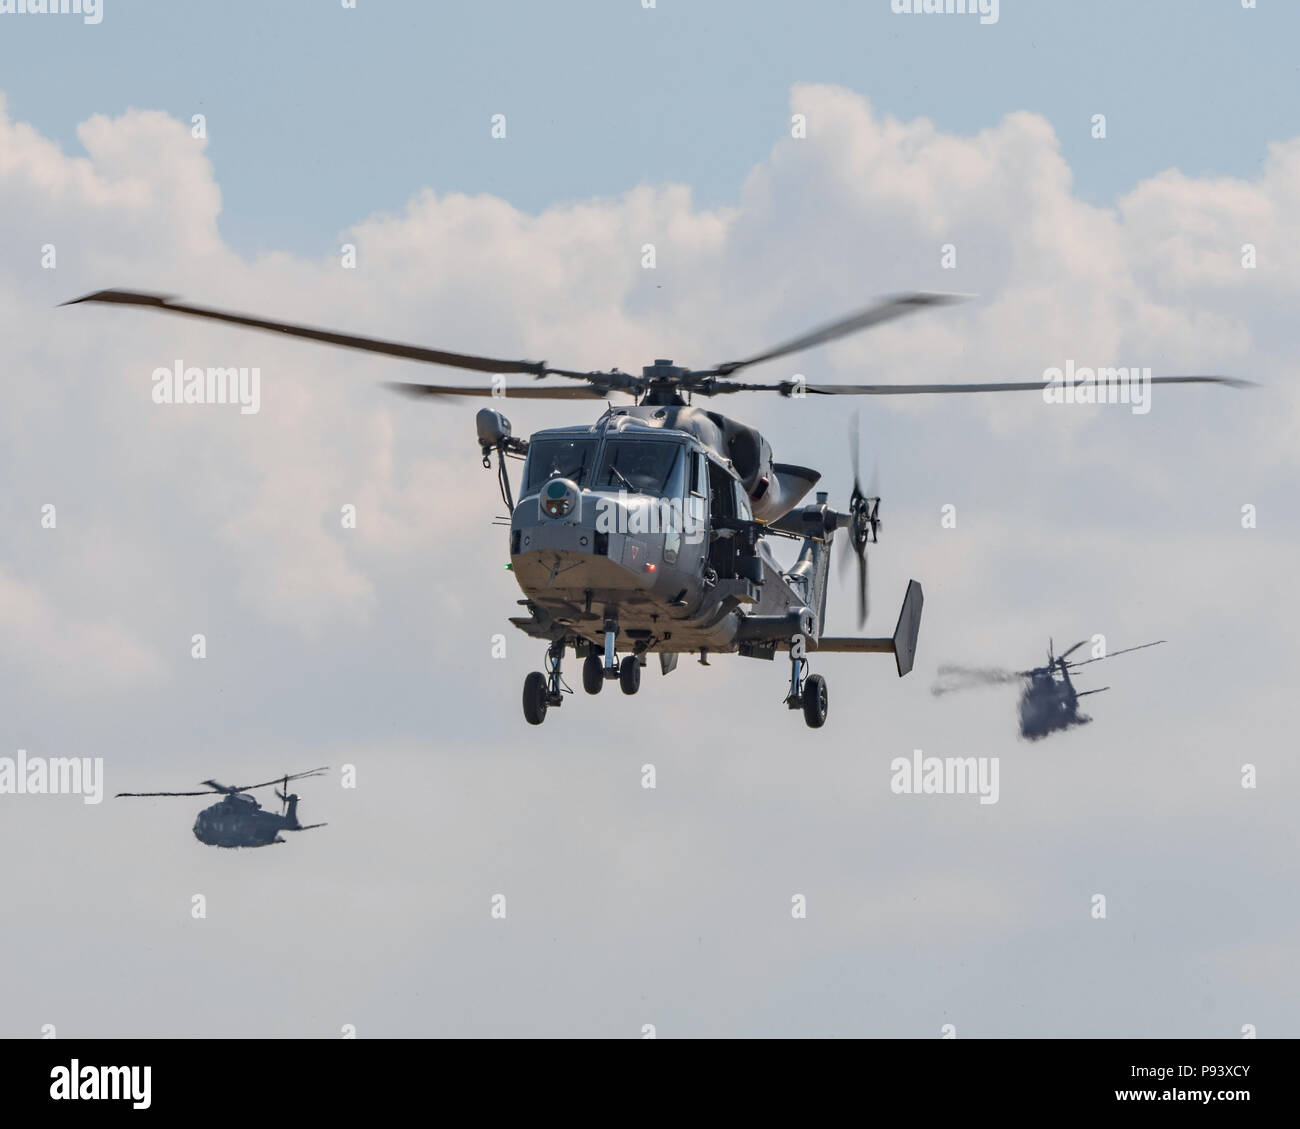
[[624, 479]]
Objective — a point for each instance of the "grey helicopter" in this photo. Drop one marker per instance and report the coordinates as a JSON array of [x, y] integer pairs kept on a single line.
[[1049, 701], [238, 820], [648, 531]]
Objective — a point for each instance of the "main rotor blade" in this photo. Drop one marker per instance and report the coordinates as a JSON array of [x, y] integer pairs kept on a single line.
[[884, 310], [283, 779], [555, 392], [789, 388], [786, 387], [345, 340], [305, 827], [1071, 651], [205, 792], [1125, 651]]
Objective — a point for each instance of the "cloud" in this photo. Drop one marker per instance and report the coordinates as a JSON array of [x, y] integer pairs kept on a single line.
[[90, 652]]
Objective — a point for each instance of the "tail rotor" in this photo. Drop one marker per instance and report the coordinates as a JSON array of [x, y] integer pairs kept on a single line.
[[862, 521]]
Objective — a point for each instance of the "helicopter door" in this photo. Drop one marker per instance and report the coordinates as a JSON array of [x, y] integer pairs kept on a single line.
[[747, 562], [722, 507]]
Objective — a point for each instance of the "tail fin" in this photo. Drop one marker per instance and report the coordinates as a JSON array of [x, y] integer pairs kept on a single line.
[[909, 628]]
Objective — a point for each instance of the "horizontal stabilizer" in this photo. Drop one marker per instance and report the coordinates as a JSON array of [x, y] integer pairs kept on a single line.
[[902, 645], [853, 646]]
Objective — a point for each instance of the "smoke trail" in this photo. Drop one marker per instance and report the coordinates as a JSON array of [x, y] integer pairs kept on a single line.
[[952, 677]]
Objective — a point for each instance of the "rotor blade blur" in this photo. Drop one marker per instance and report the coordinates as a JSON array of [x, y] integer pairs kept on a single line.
[[882, 311], [219, 787], [863, 600], [853, 450], [556, 392], [954, 677], [329, 337], [205, 792]]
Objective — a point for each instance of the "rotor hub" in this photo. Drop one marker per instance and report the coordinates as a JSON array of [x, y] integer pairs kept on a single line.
[[664, 371]]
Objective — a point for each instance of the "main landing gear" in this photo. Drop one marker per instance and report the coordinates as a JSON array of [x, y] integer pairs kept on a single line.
[[807, 692], [544, 690]]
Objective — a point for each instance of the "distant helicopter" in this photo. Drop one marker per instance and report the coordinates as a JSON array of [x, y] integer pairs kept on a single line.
[[601, 571], [1049, 700], [238, 820]]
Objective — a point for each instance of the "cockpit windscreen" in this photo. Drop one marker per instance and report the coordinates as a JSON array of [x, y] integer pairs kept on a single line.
[[641, 466], [558, 458]]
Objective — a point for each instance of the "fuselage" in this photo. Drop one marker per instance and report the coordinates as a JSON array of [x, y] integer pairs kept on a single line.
[[1048, 704], [240, 821], [623, 517]]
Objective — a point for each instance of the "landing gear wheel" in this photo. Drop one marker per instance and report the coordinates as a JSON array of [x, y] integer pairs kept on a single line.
[[593, 673], [535, 698], [814, 701], [629, 675]]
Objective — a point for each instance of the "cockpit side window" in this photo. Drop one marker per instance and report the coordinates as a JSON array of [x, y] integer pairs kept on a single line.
[[699, 474], [558, 458]]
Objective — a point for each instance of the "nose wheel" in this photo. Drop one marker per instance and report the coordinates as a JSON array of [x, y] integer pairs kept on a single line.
[[544, 689], [593, 673], [629, 675]]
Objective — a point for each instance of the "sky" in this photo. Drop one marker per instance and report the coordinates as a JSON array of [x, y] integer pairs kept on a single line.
[[373, 647]]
